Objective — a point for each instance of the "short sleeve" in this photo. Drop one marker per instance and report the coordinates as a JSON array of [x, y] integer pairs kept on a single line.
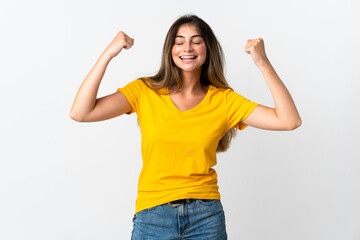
[[133, 92], [238, 109]]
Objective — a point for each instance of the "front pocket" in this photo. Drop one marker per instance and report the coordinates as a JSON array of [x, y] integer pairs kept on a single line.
[[208, 202]]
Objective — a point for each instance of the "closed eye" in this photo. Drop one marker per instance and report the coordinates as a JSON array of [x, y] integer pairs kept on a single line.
[[182, 43]]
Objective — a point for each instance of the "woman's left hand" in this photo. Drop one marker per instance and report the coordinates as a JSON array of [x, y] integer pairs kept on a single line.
[[256, 48]]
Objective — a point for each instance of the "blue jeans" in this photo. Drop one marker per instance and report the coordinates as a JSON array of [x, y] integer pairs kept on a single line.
[[198, 219]]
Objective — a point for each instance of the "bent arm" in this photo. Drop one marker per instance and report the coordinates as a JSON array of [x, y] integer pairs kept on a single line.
[[86, 108], [85, 99], [285, 115]]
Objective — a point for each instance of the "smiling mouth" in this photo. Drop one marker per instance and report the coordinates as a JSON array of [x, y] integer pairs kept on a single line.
[[188, 57]]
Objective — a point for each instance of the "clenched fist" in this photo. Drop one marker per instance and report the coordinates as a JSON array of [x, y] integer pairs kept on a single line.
[[255, 47], [118, 43]]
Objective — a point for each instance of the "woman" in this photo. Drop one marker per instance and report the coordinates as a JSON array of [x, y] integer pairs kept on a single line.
[[187, 112]]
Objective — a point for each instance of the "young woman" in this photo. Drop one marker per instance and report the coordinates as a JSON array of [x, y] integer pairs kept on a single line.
[[187, 112]]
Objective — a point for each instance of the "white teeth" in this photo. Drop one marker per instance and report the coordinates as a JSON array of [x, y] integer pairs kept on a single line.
[[188, 57]]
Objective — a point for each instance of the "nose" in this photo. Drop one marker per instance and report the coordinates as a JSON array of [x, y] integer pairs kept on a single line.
[[188, 47]]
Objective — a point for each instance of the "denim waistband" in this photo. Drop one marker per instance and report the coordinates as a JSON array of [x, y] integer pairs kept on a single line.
[[179, 202]]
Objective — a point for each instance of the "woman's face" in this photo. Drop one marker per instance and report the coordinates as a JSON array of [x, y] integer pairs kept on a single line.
[[189, 50]]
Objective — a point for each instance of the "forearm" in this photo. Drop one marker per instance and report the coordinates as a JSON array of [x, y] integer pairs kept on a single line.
[[85, 99], [285, 108]]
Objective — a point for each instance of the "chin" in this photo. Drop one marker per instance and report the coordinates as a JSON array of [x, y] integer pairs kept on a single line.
[[189, 69]]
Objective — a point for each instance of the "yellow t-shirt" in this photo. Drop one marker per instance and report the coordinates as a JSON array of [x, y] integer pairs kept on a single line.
[[178, 148]]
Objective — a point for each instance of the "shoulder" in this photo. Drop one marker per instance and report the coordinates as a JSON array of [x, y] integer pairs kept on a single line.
[[144, 82], [138, 83], [221, 91]]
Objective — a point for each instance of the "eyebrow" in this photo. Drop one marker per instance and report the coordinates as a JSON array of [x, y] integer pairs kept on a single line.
[[180, 36]]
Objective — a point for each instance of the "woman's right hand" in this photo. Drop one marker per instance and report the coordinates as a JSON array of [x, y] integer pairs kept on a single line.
[[118, 43]]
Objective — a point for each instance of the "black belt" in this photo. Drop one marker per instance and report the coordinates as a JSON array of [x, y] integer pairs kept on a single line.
[[179, 202]]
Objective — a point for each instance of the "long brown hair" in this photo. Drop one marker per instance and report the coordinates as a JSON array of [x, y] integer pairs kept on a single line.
[[212, 71]]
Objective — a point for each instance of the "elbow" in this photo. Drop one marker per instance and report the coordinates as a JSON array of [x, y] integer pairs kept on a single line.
[[74, 117], [294, 125]]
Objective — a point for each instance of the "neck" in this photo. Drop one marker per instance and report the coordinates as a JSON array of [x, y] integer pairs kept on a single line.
[[191, 82]]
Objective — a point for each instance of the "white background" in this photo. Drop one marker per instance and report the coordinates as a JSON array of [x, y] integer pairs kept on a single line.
[[60, 179]]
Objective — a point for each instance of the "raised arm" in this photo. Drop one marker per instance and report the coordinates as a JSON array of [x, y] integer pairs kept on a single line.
[[86, 107], [285, 115]]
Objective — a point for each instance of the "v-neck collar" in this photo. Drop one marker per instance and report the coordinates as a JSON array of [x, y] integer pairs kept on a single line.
[[192, 109]]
